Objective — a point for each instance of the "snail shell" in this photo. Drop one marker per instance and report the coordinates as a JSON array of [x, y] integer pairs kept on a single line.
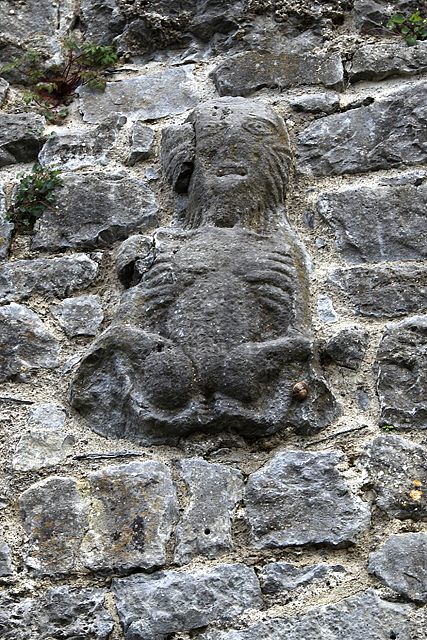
[[300, 391]]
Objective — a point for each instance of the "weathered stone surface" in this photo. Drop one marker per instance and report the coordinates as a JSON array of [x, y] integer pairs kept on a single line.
[[325, 309], [401, 564], [316, 102], [134, 509], [388, 292], [82, 147], [5, 561], [134, 257], [61, 612], [55, 518], [370, 16], [379, 61], [141, 143], [245, 73], [338, 144], [177, 149], [48, 416], [80, 316], [377, 223], [20, 279], [102, 20], [146, 97], [346, 348], [5, 227], [401, 364], [4, 87], [95, 209], [42, 448], [215, 334], [21, 22], [397, 471], [25, 344], [364, 616], [300, 498], [205, 527], [21, 137], [282, 576], [153, 606]]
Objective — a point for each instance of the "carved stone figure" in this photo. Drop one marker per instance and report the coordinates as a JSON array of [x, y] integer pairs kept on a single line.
[[214, 334]]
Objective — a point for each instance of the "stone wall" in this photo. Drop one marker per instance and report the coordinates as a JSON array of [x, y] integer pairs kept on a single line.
[[213, 390]]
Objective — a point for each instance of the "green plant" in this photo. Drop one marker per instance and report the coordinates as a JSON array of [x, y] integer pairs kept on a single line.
[[388, 427], [35, 193], [52, 89], [412, 28]]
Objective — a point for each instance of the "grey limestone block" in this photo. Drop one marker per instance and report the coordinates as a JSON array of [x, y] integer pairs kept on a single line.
[[21, 137], [301, 498], [83, 147], [364, 616], [377, 223], [338, 144], [178, 148], [401, 564], [380, 61], [95, 209], [25, 343], [151, 607], [216, 331], [346, 348], [46, 416], [41, 448], [61, 612], [80, 316], [50, 277], [6, 227], [134, 510], [277, 577], [383, 291], [396, 469], [141, 143], [400, 366], [5, 560], [102, 20], [55, 518], [148, 97], [324, 103], [4, 87], [244, 73], [205, 526], [135, 255], [21, 22]]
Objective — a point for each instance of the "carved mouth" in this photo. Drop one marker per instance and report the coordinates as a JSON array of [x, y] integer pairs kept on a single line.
[[231, 169]]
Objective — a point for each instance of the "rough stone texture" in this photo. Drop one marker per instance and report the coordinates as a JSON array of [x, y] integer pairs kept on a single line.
[[364, 616], [316, 102], [325, 310], [48, 416], [346, 348], [133, 512], [205, 527], [166, 93], [401, 365], [154, 606], [80, 316], [177, 151], [277, 577], [141, 143], [397, 471], [5, 561], [61, 612], [370, 16], [52, 277], [20, 22], [102, 20], [55, 518], [135, 256], [4, 88], [83, 147], [300, 498], [384, 292], [338, 144], [216, 332], [42, 448], [25, 344], [95, 209], [245, 73], [401, 564], [21, 137], [5, 226], [377, 223], [379, 61]]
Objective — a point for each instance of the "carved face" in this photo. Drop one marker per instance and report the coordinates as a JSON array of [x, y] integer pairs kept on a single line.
[[241, 165]]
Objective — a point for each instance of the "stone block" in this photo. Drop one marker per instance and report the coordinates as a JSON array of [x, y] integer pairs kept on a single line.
[[21, 137], [79, 316], [5, 560], [141, 143], [278, 577], [346, 348], [380, 61]]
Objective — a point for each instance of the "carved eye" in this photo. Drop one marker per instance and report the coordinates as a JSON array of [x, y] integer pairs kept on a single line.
[[259, 127]]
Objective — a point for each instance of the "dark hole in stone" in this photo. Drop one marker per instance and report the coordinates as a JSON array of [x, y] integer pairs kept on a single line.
[[207, 531], [393, 636], [160, 347]]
